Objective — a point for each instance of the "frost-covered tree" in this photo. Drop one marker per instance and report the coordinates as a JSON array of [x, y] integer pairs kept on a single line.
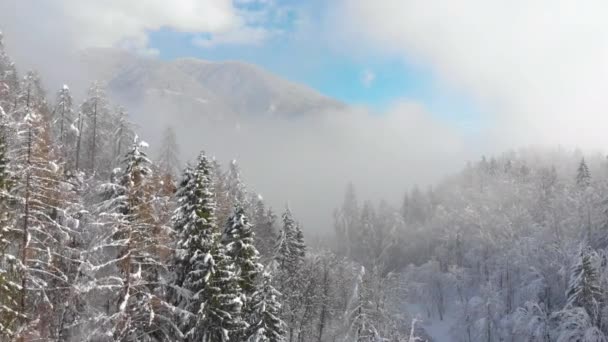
[[238, 239], [43, 252], [359, 319], [63, 126], [574, 324], [208, 291], [9, 80], [237, 192], [219, 316], [129, 266], [290, 248], [583, 176], [122, 133], [9, 277], [238, 242], [95, 124], [266, 324], [168, 157], [584, 288], [264, 227]]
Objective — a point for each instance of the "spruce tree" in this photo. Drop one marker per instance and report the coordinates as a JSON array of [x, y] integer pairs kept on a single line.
[[264, 227], [63, 119], [238, 239], [122, 134], [219, 316], [583, 177], [168, 158], [266, 324], [238, 242], [96, 124], [201, 265], [584, 288]]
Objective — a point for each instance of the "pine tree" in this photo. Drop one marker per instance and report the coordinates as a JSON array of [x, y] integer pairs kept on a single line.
[[288, 261], [63, 127], [360, 327], [266, 324], [237, 192], [238, 242], [131, 243], [197, 238], [97, 131], [290, 248], [583, 177], [122, 133], [238, 239], [222, 198], [264, 227], [9, 80], [219, 317], [41, 212], [584, 289], [168, 158], [9, 278]]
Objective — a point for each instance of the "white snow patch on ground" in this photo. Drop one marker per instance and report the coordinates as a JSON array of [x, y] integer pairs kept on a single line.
[[438, 330]]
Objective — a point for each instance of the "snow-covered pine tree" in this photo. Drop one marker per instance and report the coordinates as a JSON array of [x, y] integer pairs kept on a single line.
[[237, 192], [207, 291], [44, 253], [266, 324], [9, 278], [63, 119], [219, 317], [584, 287], [264, 227], [168, 158], [97, 130], [359, 321], [583, 176], [222, 199], [346, 220], [9, 80], [238, 241], [31, 96], [129, 270], [290, 248], [197, 233], [122, 134], [288, 263]]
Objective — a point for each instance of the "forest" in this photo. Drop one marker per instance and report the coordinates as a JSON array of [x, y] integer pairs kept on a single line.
[[101, 241]]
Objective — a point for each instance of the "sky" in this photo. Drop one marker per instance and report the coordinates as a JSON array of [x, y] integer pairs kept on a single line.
[[536, 71], [294, 39], [431, 83]]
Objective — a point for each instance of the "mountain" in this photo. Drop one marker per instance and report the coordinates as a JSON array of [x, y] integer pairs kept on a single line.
[[214, 90]]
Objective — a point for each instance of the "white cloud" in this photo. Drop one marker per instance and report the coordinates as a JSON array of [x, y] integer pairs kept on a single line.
[[86, 23], [539, 67], [367, 78], [244, 35]]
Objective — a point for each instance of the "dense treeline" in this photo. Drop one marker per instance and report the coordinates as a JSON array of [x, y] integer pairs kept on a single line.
[[98, 242], [511, 249]]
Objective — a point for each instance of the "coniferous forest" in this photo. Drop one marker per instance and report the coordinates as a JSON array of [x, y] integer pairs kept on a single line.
[[101, 241]]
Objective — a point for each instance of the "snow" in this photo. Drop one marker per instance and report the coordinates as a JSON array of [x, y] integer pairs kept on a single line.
[[65, 87], [74, 129], [437, 329]]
